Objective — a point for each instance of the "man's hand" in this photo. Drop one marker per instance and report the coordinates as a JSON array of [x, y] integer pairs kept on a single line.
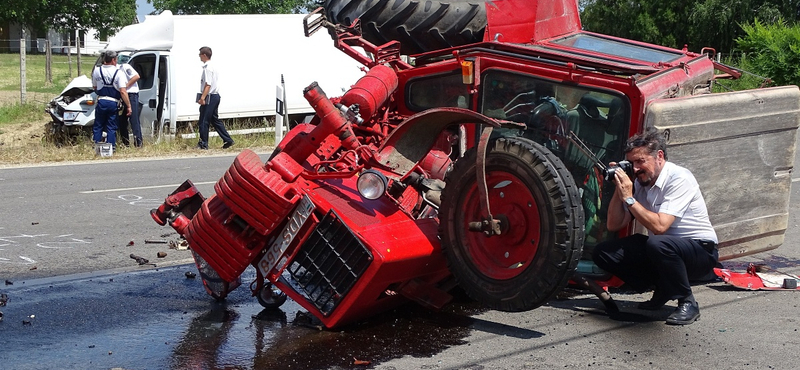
[[624, 185], [129, 111], [202, 101]]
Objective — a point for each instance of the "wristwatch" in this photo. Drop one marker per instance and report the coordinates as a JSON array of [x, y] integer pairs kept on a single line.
[[630, 201]]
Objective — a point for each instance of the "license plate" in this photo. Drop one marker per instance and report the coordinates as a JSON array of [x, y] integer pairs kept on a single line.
[[296, 221], [70, 116]]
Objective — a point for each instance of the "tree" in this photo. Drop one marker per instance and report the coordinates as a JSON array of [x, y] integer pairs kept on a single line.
[[696, 23], [772, 50], [234, 6], [39, 15]]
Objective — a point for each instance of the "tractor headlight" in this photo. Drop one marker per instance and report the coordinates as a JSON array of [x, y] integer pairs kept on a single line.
[[372, 184]]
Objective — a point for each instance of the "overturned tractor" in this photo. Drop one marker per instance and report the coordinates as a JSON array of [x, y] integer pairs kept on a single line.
[[478, 165]]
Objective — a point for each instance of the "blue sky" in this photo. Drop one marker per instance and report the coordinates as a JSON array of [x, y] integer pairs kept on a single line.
[[142, 8]]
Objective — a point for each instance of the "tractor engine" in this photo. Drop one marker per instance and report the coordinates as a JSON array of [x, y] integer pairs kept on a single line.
[[329, 219]]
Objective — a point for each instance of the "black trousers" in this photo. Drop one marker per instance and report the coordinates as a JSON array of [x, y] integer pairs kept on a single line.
[[667, 263]]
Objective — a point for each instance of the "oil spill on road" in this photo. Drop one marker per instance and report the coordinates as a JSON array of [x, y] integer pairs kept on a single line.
[[159, 319]]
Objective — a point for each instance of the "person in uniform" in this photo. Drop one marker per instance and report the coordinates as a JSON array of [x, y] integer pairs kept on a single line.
[[208, 98], [110, 86], [681, 244], [133, 95]]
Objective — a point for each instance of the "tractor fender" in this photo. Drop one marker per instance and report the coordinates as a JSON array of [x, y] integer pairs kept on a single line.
[[414, 137]]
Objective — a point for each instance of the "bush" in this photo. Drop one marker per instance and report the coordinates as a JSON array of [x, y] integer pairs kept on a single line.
[[772, 50]]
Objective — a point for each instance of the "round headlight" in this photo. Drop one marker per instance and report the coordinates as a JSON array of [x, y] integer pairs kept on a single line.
[[371, 184]]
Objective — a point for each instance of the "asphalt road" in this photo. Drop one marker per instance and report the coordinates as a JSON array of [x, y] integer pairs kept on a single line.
[[135, 317], [64, 219]]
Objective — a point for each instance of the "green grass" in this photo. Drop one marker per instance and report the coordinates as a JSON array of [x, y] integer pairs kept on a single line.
[[35, 72], [15, 113]]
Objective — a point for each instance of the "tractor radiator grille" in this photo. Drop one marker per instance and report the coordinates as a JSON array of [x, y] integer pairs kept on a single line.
[[329, 264]]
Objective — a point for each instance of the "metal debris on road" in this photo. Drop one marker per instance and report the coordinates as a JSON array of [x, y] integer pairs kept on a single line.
[[33, 268], [153, 241], [34, 223], [190, 275], [3, 299], [161, 254], [140, 260], [9, 282], [130, 243], [181, 245]]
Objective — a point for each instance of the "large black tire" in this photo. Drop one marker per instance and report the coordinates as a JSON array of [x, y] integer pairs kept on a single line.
[[538, 251], [419, 25]]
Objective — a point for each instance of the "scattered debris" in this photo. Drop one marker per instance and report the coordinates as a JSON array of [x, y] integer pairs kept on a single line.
[[1, 315], [33, 268], [9, 282], [152, 241], [91, 346], [190, 275], [307, 320], [34, 223], [161, 254], [360, 362], [140, 260], [166, 235], [3, 299], [130, 243], [180, 245]]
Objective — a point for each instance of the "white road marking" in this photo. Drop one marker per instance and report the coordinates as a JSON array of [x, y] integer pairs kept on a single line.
[[141, 187]]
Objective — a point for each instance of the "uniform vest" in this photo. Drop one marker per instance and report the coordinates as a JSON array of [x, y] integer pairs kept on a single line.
[[108, 88]]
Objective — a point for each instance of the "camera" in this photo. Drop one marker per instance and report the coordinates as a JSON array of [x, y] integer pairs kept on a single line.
[[622, 165]]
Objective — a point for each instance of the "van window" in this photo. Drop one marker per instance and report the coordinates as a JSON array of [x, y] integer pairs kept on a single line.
[[145, 65]]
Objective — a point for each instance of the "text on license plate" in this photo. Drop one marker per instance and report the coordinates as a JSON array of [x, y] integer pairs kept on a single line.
[[296, 220]]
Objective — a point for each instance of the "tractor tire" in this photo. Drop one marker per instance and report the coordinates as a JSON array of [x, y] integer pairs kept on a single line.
[[419, 26], [537, 201], [271, 297]]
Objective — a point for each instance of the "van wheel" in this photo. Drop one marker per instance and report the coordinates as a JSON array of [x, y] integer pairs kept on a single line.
[[419, 26], [537, 201]]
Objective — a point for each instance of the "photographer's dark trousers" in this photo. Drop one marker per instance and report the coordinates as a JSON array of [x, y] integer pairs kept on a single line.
[[136, 127], [105, 119], [209, 114], [667, 262]]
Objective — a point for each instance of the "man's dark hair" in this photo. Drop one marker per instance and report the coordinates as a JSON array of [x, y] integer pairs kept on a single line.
[[205, 50], [651, 139]]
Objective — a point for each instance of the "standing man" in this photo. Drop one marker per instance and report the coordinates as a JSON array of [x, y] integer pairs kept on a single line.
[[209, 103], [133, 95], [681, 243], [110, 86]]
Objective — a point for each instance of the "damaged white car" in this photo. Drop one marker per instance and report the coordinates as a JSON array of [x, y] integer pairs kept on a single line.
[[73, 110]]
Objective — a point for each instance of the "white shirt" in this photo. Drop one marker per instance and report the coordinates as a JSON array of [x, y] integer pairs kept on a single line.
[[107, 72], [677, 193], [130, 73], [209, 77]]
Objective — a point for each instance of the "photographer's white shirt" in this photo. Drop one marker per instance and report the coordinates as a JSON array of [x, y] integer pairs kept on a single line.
[[677, 193]]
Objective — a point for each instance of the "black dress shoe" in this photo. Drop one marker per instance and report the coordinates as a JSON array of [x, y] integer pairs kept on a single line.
[[655, 303], [227, 145], [685, 314]]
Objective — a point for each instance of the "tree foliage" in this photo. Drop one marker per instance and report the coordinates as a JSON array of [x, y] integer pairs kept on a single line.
[[695, 23], [772, 50], [39, 15], [234, 6]]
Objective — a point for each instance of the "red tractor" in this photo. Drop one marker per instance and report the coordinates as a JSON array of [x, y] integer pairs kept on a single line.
[[478, 160]]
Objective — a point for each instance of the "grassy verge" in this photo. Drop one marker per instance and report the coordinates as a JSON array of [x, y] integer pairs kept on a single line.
[[23, 127], [35, 72]]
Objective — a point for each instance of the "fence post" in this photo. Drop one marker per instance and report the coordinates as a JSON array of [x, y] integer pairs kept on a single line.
[[22, 78], [48, 67], [78, 51], [69, 55]]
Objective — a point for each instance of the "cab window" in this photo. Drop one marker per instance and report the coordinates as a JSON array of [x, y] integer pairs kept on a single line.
[[445, 90], [552, 112]]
